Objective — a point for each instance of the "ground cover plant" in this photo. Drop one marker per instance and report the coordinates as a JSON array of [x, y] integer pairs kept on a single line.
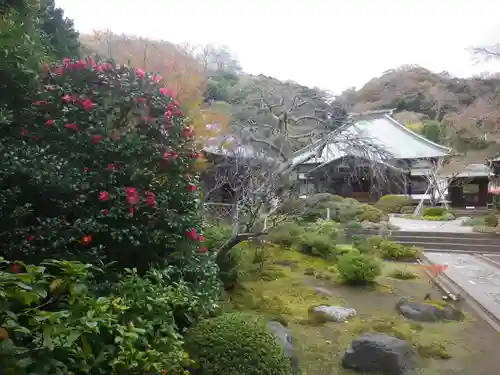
[[290, 283]]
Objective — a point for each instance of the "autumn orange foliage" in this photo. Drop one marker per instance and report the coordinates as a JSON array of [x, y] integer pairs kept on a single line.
[[182, 72]]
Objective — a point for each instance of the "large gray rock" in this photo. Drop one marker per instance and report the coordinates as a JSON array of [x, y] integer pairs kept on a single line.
[[284, 337], [377, 353], [428, 311], [332, 313]]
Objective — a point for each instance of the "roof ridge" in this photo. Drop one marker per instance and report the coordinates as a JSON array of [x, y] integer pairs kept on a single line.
[[418, 136]]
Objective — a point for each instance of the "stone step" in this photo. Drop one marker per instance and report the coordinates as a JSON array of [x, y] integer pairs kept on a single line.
[[374, 232], [437, 239], [445, 246]]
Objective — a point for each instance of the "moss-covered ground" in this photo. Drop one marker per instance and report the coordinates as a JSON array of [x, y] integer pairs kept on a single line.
[[286, 284]]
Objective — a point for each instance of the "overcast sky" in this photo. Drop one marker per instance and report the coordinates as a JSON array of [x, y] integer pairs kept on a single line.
[[325, 43]]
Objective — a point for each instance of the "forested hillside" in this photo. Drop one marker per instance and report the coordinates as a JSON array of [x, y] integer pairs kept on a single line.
[[460, 112], [463, 113]]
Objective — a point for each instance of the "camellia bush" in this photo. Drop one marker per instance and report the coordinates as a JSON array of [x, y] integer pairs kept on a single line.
[[102, 169]]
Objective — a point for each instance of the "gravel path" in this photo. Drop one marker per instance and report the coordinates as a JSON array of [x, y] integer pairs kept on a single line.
[[452, 226]]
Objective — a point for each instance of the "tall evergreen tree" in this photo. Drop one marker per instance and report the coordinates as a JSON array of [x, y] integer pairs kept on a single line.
[[59, 31]]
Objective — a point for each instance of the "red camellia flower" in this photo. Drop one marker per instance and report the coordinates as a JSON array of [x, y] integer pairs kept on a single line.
[[132, 195], [201, 238], [67, 98], [191, 187], [40, 102], [96, 139], [167, 91], [66, 61], [140, 73], [170, 155], [87, 105], [16, 268], [105, 212], [86, 169], [24, 131], [91, 61], [30, 238], [192, 234], [86, 240], [150, 199], [72, 126], [111, 166], [103, 196], [49, 122], [187, 132], [156, 78]]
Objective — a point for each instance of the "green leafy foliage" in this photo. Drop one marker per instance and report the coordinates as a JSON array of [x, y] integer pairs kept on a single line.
[[491, 220], [316, 244], [328, 228], [356, 268], [61, 35], [22, 52], [447, 216], [394, 251], [286, 234], [393, 203], [216, 234], [366, 212], [53, 323], [236, 344], [434, 211], [403, 274], [103, 170]]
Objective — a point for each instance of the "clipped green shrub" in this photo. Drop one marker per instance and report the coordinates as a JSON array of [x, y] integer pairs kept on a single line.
[[341, 209], [316, 244], [355, 268], [394, 251], [369, 245], [293, 207], [393, 203], [327, 228], [491, 220], [236, 344], [367, 212], [375, 241], [434, 211], [447, 216], [354, 225], [403, 274], [286, 234]]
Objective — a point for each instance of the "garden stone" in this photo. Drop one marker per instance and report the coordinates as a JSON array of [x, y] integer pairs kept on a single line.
[[428, 311], [284, 337], [333, 313], [377, 353]]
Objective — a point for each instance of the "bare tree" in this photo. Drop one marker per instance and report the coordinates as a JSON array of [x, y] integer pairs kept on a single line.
[[260, 160], [486, 53]]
